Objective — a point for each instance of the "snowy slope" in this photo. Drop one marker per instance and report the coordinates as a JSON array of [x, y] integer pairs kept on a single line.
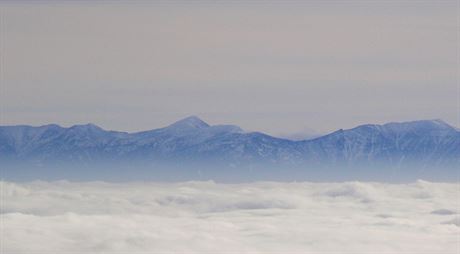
[[428, 142]]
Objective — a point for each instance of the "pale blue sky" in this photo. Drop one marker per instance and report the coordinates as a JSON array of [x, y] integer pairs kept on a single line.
[[277, 67]]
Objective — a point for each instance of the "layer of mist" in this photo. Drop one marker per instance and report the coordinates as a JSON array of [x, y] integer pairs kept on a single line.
[[209, 217]]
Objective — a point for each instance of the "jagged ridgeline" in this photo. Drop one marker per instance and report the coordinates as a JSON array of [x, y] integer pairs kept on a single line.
[[192, 149]]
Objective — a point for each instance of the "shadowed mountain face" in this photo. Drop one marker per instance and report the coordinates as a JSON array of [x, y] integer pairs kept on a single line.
[[428, 143]]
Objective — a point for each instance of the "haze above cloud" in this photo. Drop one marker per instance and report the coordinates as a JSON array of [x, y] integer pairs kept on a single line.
[[273, 67]]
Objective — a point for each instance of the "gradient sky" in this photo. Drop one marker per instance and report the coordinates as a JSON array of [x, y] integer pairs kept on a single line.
[[278, 67]]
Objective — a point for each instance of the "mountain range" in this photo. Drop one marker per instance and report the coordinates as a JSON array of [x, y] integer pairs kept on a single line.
[[191, 141]]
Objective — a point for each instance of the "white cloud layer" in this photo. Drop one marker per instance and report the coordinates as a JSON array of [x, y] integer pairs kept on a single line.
[[205, 217]]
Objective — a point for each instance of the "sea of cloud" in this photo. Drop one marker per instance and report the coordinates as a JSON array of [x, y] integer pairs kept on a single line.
[[208, 217]]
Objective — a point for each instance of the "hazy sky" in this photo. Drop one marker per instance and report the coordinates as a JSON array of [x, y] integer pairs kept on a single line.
[[277, 67]]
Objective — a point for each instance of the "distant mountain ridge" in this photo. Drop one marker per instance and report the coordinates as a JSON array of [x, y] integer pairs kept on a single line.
[[425, 143]]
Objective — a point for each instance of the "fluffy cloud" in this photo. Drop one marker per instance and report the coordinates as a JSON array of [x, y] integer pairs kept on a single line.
[[197, 217]]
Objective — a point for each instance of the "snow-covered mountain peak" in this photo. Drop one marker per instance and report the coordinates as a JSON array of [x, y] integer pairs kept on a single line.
[[89, 127], [441, 123], [421, 125], [191, 122]]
